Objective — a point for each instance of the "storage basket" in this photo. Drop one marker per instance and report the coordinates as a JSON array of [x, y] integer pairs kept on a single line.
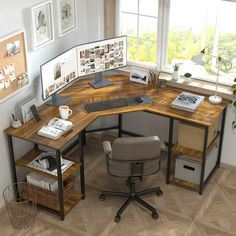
[[51, 199], [21, 210]]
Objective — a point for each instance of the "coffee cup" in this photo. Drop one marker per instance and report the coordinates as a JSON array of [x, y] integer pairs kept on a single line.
[[64, 112]]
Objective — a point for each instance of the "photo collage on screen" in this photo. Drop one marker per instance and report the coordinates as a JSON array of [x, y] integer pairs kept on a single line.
[[101, 56]]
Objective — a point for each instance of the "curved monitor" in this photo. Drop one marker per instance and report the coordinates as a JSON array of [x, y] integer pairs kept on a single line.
[[102, 56], [82, 60]]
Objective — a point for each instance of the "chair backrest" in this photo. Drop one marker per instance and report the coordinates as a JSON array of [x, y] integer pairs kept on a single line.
[[136, 151]]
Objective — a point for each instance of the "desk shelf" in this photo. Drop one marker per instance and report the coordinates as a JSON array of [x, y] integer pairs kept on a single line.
[[30, 156], [184, 183], [178, 149]]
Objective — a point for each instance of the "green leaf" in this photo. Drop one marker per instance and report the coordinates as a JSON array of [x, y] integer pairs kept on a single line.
[[234, 91], [234, 79], [231, 101], [234, 103], [233, 123]]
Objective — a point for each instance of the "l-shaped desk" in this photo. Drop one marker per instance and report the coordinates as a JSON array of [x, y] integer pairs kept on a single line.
[[81, 93]]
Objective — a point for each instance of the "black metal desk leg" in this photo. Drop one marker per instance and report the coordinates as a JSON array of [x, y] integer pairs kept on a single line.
[[60, 185], [119, 125], [84, 137], [81, 157], [171, 126], [12, 158], [204, 155], [221, 137]]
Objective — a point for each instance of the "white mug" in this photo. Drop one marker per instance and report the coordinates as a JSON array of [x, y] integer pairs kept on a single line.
[[65, 112]]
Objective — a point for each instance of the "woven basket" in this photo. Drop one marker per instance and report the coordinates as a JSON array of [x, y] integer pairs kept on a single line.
[[51, 199], [21, 210]]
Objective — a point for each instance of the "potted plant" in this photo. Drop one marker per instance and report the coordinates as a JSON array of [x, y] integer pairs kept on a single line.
[[175, 74], [188, 77], [233, 102]]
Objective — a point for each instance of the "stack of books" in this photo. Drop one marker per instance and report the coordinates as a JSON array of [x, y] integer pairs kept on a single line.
[[42, 182], [187, 101]]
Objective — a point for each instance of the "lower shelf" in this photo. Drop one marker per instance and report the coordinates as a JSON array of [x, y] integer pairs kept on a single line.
[[50, 199], [184, 183]]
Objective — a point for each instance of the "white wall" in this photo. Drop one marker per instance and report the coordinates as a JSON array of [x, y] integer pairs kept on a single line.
[[14, 16]]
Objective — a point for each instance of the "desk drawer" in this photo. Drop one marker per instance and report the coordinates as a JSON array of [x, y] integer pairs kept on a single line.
[[189, 169], [191, 136]]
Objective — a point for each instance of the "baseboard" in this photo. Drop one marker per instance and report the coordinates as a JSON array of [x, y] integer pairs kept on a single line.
[[228, 166]]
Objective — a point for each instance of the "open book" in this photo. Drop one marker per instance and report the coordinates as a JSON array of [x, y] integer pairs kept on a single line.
[[55, 128]]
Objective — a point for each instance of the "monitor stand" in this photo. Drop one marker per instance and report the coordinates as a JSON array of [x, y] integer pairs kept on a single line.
[[57, 100], [99, 81]]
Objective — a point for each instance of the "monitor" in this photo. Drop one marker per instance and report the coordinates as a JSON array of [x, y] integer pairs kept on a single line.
[[82, 60], [56, 74], [103, 55]]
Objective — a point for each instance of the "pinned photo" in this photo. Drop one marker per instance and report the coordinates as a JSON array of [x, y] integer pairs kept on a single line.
[[13, 48], [2, 84]]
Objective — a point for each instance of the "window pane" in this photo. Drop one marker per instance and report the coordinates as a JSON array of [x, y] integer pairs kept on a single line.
[[208, 25], [148, 28], [148, 7], [129, 28], [227, 35], [129, 6], [132, 49], [147, 51]]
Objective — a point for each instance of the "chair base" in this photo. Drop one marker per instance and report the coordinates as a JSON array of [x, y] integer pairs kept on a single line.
[[133, 196]]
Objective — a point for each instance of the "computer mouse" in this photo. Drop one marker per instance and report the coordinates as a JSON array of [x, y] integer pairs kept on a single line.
[[139, 99]]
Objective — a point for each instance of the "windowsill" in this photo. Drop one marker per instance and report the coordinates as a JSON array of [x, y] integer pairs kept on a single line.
[[195, 85]]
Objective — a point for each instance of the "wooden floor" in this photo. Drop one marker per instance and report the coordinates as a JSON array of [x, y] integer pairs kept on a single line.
[[182, 212]]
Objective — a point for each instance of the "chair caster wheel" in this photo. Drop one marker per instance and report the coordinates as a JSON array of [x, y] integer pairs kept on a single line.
[[159, 192], [117, 218], [155, 215], [102, 197]]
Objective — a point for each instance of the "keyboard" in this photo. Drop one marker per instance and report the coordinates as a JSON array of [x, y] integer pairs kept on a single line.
[[105, 105]]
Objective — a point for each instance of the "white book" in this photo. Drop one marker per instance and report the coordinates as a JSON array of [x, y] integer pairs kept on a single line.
[[55, 128], [187, 101]]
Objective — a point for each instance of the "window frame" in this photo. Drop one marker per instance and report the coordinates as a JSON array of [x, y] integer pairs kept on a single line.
[[162, 39]]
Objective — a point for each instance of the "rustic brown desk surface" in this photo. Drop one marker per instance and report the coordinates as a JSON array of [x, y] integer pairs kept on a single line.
[[81, 93]]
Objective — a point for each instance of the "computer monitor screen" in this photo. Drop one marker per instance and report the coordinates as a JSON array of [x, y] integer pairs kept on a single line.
[[57, 73], [102, 55], [82, 60]]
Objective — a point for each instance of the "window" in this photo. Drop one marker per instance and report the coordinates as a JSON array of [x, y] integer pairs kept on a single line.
[[167, 31], [138, 20]]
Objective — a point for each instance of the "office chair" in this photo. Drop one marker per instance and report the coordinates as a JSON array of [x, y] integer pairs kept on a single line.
[[133, 158]]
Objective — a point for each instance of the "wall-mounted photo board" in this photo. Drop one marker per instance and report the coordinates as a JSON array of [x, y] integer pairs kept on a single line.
[[13, 65]]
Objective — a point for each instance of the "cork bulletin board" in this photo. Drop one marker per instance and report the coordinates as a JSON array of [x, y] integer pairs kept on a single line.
[[13, 65]]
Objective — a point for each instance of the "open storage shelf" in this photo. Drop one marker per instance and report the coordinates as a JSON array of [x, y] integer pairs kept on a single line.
[[178, 149], [27, 158], [184, 183], [50, 199]]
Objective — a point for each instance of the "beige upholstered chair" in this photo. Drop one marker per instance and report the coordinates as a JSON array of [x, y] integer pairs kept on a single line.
[[133, 158]]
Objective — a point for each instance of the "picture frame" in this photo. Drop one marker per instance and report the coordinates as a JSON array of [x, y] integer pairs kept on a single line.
[[139, 75], [42, 24], [67, 17]]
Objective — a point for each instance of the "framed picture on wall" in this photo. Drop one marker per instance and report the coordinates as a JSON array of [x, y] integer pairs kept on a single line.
[[42, 24], [66, 16]]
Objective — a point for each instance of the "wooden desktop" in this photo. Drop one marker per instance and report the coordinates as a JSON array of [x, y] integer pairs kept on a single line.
[[80, 93]]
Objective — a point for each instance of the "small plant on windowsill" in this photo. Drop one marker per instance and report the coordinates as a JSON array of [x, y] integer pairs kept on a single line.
[[175, 74], [233, 102], [176, 67]]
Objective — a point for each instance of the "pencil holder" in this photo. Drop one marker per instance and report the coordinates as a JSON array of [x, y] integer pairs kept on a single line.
[[16, 123]]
